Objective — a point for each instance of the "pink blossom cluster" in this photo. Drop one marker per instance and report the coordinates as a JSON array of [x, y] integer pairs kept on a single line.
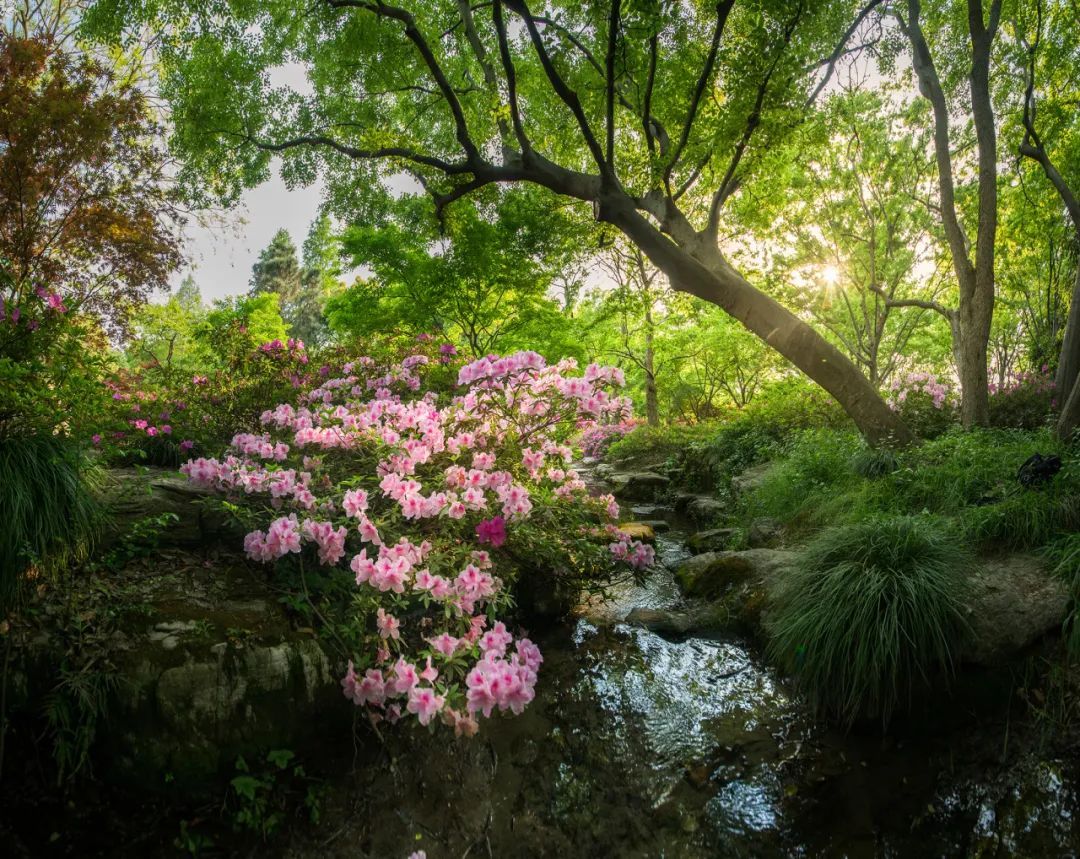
[[1027, 381], [941, 393], [414, 493], [598, 438]]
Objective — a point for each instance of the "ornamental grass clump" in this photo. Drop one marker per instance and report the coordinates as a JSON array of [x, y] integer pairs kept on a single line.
[[872, 614], [427, 495], [48, 511]]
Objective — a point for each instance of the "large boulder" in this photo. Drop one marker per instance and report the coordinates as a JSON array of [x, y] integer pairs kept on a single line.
[[705, 510], [640, 485], [763, 532], [131, 495], [639, 531], [750, 480], [712, 540], [1013, 603], [661, 621]]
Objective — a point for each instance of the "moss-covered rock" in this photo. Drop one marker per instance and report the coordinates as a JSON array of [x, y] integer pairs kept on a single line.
[[639, 531]]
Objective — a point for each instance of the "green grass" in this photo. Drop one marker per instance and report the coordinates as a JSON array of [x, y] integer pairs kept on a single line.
[[828, 477], [1063, 556], [48, 511], [871, 614]]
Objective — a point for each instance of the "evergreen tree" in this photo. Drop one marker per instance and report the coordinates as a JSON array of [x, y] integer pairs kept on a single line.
[[278, 269]]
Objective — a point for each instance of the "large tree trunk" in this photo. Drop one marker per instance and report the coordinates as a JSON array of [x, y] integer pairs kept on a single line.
[[1069, 419], [971, 353], [1069, 363], [701, 270]]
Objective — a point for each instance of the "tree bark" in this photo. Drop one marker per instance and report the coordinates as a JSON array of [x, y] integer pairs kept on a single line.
[[976, 280], [1069, 418], [652, 406], [1068, 370]]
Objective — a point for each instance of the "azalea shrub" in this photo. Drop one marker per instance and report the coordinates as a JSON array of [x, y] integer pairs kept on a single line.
[[439, 495], [597, 439], [161, 415], [928, 405], [50, 364]]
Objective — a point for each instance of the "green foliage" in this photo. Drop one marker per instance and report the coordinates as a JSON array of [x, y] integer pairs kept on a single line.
[[47, 508], [73, 711], [871, 463], [761, 431], [872, 614], [969, 477], [263, 798], [1064, 556], [655, 445], [480, 278], [802, 488]]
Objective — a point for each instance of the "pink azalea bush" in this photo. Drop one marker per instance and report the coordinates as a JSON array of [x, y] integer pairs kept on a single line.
[[596, 440], [160, 414], [434, 503], [927, 404]]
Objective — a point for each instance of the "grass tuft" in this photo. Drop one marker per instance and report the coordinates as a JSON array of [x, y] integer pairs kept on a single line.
[[873, 613], [48, 512]]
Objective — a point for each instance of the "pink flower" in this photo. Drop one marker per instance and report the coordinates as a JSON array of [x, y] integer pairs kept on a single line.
[[492, 531], [389, 626], [424, 703], [187, 444], [445, 644]]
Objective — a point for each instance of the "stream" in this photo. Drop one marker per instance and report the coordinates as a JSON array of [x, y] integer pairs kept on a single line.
[[643, 746]]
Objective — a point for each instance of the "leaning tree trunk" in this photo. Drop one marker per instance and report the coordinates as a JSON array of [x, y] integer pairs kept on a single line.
[[1069, 419], [701, 270]]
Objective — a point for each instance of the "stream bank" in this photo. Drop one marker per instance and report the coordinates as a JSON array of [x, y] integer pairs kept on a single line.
[[643, 741]]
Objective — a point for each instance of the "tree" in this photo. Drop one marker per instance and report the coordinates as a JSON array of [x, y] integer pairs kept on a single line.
[[654, 114], [1051, 58], [85, 208], [635, 300], [861, 238], [484, 282], [970, 321], [277, 269]]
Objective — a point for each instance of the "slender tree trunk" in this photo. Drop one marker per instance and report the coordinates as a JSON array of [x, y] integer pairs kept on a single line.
[[701, 270], [652, 406]]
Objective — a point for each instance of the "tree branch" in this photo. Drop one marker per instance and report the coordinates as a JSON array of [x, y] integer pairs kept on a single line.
[[413, 34], [723, 8], [840, 49]]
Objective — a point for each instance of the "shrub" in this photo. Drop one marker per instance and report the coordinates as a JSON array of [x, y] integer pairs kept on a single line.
[[873, 462], [926, 404], [872, 613], [446, 499], [1025, 401], [47, 508], [596, 440]]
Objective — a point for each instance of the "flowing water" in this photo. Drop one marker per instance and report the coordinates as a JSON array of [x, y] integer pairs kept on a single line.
[[643, 746]]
